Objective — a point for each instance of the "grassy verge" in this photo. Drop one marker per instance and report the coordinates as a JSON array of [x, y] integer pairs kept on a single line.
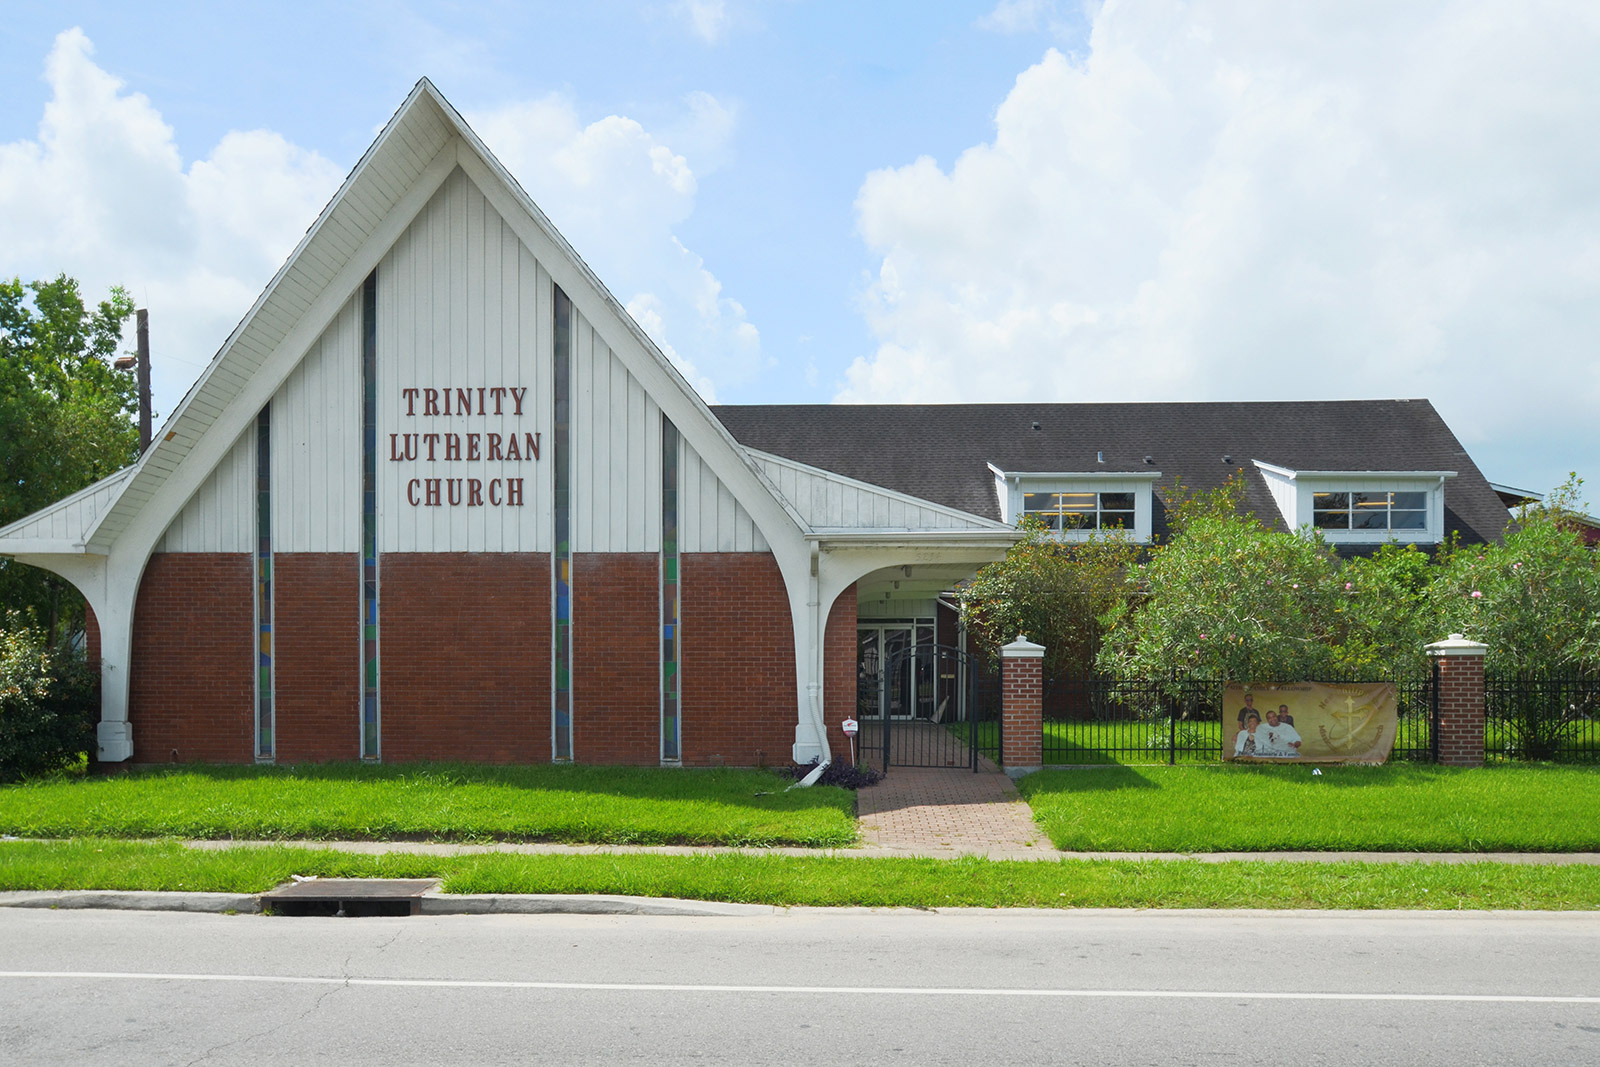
[[822, 881], [1398, 807], [456, 802]]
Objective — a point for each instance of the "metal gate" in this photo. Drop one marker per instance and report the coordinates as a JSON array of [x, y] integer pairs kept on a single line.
[[928, 706]]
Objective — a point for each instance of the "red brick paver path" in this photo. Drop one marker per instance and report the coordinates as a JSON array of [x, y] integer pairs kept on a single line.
[[944, 812]]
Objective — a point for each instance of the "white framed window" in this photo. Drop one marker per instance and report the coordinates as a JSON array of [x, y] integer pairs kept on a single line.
[[1076, 505], [1083, 510], [1361, 507]]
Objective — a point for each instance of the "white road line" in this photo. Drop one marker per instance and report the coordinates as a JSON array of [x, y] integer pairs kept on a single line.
[[898, 991]]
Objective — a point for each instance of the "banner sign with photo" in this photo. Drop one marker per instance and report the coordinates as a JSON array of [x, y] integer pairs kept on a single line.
[[1309, 722]]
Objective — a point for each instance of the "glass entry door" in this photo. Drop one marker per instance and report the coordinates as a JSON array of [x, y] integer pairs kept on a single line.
[[892, 679]]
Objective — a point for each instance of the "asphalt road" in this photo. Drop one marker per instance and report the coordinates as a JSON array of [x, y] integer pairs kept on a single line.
[[803, 987]]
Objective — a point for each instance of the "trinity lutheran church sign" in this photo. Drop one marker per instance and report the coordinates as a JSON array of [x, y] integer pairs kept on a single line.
[[445, 446]]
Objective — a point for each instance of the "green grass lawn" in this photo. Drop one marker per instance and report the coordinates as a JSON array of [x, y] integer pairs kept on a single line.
[[1396, 807], [445, 802], [821, 881]]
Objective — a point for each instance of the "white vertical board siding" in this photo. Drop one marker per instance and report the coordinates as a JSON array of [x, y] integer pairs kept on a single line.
[[709, 518], [462, 304], [616, 451], [830, 502], [316, 444], [221, 516]]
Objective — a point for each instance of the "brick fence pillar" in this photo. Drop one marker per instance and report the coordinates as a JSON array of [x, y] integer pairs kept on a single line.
[[1022, 707], [1460, 696]]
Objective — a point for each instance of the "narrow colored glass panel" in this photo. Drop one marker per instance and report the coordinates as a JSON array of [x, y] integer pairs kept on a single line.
[[671, 747], [265, 749], [561, 456], [369, 518]]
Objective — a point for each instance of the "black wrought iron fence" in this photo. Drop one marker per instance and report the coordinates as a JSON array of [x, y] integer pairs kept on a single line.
[[1096, 719], [1542, 717], [1106, 719]]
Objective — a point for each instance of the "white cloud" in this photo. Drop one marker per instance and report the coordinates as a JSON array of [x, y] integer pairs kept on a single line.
[[1018, 16], [709, 19], [102, 194], [1266, 202], [618, 193]]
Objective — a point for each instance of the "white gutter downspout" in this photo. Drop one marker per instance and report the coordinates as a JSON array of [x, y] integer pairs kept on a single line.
[[814, 687]]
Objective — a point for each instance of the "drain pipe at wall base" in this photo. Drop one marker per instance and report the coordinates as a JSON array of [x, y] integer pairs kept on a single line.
[[814, 688]]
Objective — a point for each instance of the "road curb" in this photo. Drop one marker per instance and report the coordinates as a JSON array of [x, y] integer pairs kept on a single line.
[[432, 903]]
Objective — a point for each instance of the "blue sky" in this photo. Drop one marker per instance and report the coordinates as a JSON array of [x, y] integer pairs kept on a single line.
[[999, 200]]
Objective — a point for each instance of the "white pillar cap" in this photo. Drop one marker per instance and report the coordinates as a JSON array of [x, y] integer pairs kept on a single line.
[[1457, 645], [1022, 648]]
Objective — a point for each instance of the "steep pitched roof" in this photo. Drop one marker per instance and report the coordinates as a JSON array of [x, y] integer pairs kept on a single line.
[[942, 452]]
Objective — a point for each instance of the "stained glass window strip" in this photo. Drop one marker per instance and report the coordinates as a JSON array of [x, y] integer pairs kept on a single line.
[[561, 558], [264, 703], [671, 748], [369, 518]]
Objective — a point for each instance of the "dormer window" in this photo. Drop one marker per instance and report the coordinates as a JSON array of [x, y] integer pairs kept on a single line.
[[1077, 505], [1361, 507], [1081, 511], [1370, 511]]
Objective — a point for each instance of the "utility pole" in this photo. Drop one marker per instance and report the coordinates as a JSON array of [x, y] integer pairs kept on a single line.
[[143, 319]]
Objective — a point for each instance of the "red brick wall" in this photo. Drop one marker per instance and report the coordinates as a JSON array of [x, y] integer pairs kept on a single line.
[[738, 660], [1461, 711], [191, 686], [464, 656], [317, 655], [616, 657], [91, 638], [839, 651]]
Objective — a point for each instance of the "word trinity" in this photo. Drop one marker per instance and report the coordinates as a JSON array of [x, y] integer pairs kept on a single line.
[[437, 401], [464, 444]]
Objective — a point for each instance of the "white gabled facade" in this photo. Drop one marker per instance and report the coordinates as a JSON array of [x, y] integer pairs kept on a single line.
[[467, 268]]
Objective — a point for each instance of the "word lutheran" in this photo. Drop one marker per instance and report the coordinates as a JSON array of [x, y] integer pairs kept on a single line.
[[464, 446]]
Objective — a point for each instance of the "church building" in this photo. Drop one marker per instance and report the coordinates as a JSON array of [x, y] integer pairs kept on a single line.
[[438, 496]]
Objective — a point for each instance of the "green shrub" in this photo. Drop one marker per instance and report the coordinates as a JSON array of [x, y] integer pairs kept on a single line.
[[47, 703]]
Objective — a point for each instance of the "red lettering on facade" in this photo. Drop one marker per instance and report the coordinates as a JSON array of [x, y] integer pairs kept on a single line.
[[446, 400], [432, 439], [494, 491], [430, 490], [533, 445], [474, 493], [516, 398], [499, 394], [512, 449], [492, 447], [411, 492], [430, 401], [464, 402], [513, 492], [452, 448], [454, 487], [473, 441], [411, 400]]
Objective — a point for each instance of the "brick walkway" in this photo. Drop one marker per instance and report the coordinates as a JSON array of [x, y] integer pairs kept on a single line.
[[943, 812]]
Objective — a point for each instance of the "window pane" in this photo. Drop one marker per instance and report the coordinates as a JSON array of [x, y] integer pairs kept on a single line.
[[1075, 520], [1329, 511], [1409, 501], [1116, 501], [1038, 502], [1370, 519], [1370, 501], [1408, 520], [1076, 501]]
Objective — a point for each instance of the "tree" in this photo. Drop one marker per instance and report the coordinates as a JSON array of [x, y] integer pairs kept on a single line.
[[1533, 598], [1053, 592], [1229, 598], [66, 420]]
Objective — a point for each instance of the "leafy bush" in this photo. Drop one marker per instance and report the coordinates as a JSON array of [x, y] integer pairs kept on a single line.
[[1055, 593], [47, 705]]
